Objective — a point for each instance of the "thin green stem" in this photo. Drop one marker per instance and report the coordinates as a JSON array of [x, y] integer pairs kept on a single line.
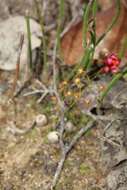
[[29, 41], [123, 48], [60, 18], [114, 20], [41, 21], [86, 22]]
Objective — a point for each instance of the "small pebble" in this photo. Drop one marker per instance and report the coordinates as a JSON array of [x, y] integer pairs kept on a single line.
[[53, 137], [41, 120], [69, 127]]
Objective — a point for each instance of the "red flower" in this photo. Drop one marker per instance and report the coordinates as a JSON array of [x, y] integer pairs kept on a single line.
[[111, 64]]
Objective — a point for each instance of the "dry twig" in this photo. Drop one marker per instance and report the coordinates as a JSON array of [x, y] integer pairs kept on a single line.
[[66, 150], [18, 64], [25, 85]]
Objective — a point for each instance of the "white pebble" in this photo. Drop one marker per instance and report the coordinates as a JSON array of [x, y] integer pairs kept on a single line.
[[53, 137], [69, 127], [41, 120]]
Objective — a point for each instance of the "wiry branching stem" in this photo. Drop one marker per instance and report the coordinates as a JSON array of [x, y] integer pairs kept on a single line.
[[66, 150]]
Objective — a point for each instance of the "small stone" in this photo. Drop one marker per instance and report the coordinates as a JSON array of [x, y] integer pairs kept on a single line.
[[41, 120], [65, 119], [69, 127], [53, 137]]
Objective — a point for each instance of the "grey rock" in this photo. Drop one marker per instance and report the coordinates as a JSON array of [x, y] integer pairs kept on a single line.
[[10, 33], [50, 9], [4, 11], [117, 179], [114, 137], [16, 7], [114, 144], [116, 98]]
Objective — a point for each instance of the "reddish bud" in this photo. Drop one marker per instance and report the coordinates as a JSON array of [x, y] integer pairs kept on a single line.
[[111, 64]]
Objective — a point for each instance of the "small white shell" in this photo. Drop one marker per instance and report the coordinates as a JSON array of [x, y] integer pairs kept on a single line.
[[41, 120], [53, 137], [69, 127]]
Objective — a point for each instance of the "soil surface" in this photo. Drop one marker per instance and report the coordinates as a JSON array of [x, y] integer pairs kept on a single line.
[[29, 161]]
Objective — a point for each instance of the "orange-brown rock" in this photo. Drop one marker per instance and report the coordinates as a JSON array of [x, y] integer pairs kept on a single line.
[[71, 42]]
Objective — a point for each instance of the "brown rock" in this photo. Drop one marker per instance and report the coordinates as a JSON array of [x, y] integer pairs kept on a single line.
[[71, 43]]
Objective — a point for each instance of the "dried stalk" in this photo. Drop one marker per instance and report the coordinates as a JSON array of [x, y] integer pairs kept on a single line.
[[25, 85], [18, 64]]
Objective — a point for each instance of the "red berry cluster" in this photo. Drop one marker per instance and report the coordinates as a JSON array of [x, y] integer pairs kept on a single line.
[[111, 64]]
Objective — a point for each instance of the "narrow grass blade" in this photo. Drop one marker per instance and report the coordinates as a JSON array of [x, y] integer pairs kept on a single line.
[[90, 59], [94, 8], [110, 86], [41, 22], [29, 41], [86, 23], [60, 19], [123, 48]]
